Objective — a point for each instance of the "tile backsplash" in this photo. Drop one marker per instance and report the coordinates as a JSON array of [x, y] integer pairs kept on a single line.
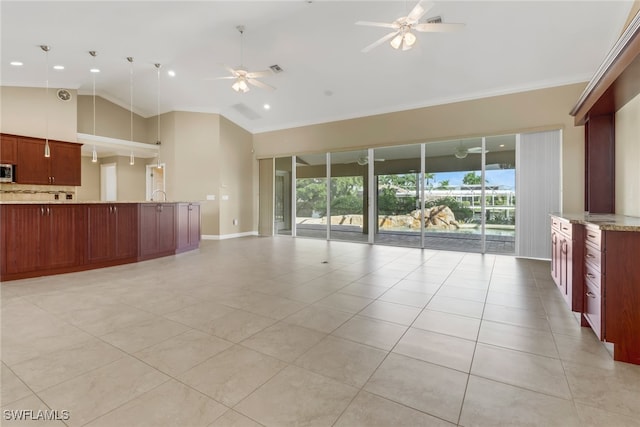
[[37, 193]]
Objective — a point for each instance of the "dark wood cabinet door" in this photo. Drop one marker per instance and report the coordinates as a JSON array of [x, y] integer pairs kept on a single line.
[[60, 236], [126, 230], [8, 149], [32, 166], [65, 163], [166, 227], [555, 256], [194, 224], [148, 228], [99, 225], [182, 226], [21, 235]]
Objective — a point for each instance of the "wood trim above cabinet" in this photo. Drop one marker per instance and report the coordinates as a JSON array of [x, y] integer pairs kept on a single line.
[[616, 82]]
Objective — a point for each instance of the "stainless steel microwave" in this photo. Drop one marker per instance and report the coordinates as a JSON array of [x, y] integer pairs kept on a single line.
[[7, 172]]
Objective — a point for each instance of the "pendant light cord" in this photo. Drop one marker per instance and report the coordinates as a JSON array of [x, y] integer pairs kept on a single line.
[[46, 53], [130, 59], [158, 101]]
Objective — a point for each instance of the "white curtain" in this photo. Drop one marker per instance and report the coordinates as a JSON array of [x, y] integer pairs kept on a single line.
[[538, 191]]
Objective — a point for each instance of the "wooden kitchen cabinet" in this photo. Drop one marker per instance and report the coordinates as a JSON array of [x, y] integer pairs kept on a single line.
[[566, 262], [40, 237], [157, 223], [62, 168], [188, 226], [8, 149], [112, 232]]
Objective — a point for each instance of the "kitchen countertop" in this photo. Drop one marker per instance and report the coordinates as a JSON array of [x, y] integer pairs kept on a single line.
[[606, 222]]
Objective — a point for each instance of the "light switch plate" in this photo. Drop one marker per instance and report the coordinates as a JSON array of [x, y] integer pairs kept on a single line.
[[211, 196]]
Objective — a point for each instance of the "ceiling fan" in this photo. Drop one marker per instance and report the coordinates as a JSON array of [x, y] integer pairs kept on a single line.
[[462, 152], [243, 78], [364, 160], [401, 36]]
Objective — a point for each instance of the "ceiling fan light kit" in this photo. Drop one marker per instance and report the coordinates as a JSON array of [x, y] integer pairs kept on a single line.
[[401, 36]]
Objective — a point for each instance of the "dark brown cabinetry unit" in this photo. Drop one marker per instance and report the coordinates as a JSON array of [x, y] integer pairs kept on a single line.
[[157, 223], [112, 233], [8, 149], [188, 227], [599, 153], [566, 263], [61, 168], [40, 237], [612, 290]]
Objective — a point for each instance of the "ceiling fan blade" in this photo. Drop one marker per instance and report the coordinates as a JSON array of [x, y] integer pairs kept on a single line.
[[438, 28], [260, 84], [380, 41], [378, 24], [220, 78], [418, 12], [256, 74], [231, 70]]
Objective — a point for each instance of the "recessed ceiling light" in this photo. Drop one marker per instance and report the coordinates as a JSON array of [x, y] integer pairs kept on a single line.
[[501, 145], [58, 67], [94, 70], [16, 63], [266, 106], [171, 73]]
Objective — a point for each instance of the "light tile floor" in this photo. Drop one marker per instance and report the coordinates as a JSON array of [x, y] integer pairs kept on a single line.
[[293, 332]]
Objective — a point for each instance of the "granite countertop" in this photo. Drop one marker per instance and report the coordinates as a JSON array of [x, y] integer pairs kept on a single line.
[[84, 202], [607, 222]]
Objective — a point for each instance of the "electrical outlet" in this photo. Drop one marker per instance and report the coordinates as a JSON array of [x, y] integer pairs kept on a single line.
[[235, 222], [211, 196]]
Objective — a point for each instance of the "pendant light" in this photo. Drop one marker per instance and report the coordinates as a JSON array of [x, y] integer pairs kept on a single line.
[[240, 84], [94, 71], [47, 150], [132, 160], [158, 142]]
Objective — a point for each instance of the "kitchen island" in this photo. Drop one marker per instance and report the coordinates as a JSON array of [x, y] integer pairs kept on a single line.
[[596, 264], [45, 238]]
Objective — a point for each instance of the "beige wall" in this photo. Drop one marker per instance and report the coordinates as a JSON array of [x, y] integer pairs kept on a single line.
[[537, 110], [265, 222], [236, 178], [194, 168], [627, 124], [90, 190], [131, 185], [112, 120], [24, 112]]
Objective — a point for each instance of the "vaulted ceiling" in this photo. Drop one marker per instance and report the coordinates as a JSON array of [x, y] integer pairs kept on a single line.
[[506, 46]]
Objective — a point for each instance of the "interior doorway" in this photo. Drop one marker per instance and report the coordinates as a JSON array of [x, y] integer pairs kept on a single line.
[[108, 182], [155, 180]]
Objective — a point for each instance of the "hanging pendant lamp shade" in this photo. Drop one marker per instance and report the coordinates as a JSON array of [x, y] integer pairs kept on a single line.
[[94, 71], [47, 149]]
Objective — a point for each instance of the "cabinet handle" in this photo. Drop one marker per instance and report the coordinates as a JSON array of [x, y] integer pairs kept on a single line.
[[48, 211], [53, 179], [41, 210], [592, 236], [554, 238], [115, 209], [591, 276], [591, 294], [590, 256]]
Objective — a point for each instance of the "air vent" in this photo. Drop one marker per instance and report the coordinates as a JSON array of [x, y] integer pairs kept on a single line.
[[435, 20], [276, 69], [246, 111]]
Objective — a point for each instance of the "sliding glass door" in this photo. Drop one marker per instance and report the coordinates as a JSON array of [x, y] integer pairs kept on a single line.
[[397, 172], [450, 195]]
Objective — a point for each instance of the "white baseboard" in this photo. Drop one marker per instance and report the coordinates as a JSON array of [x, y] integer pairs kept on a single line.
[[228, 236]]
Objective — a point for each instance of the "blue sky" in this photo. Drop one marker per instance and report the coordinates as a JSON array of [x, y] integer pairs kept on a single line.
[[504, 177]]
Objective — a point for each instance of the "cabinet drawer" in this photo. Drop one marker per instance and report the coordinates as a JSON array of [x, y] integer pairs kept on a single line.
[[592, 276], [555, 222], [593, 309], [593, 256], [593, 235], [566, 228]]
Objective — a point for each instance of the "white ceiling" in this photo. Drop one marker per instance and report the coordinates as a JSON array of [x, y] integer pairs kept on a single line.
[[506, 46]]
